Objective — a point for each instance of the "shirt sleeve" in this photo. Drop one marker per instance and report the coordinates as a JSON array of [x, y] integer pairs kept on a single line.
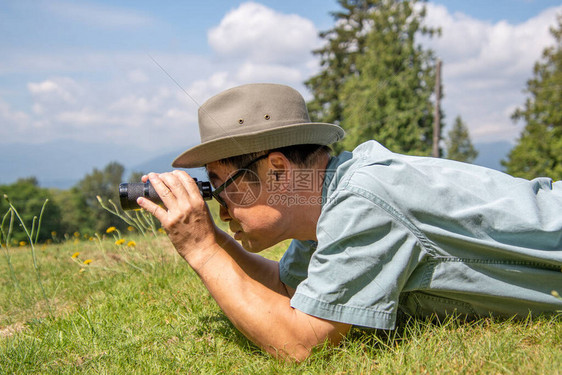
[[365, 255], [293, 266]]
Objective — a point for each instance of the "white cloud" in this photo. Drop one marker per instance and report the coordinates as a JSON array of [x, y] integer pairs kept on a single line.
[[486, 66], [258, 44], [152, 116], [204, 88], [254, 32], [56, 89], [250, 71], [11, 117], [137, 76], [81, 118]]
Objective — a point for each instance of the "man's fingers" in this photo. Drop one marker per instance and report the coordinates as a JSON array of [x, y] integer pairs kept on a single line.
[[166, 193], [175, 186], [178, 192], [188, 182], [163, 188], [156, 211]]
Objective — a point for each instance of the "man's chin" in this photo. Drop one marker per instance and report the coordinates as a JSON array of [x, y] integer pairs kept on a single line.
[[250, 246]]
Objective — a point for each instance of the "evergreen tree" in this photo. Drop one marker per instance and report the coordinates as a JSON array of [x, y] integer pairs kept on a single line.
[[459, 145], [539, 149], [344, 43], [376, 81]]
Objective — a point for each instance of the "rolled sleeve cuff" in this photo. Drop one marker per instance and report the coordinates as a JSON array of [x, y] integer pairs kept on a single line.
[[358, 316]]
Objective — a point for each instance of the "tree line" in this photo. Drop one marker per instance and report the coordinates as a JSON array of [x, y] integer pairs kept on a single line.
[[376, 81], [70, 213]]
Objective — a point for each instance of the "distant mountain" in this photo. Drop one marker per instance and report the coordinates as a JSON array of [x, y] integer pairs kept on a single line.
[[62, 163], [490, 154], [163, 163]]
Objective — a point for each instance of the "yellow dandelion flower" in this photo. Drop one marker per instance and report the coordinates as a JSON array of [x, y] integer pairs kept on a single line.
[[87, 261], [53, 233], [77, 234], [23, 243], [75, 255], [91, 239], [110, 230], [130, 228], [161, 230], [120, 242], [131, 244]]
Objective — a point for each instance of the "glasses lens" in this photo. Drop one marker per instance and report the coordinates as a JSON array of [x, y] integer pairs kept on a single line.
[[243, 191], [240, 193]]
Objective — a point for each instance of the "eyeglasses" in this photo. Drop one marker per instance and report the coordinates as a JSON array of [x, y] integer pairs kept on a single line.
[[216, 193]]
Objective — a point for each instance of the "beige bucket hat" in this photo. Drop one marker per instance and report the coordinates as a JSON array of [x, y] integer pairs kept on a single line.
[[253, 118]]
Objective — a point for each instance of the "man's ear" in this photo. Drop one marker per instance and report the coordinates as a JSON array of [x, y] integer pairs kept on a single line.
[[278, 165], [278, 161]]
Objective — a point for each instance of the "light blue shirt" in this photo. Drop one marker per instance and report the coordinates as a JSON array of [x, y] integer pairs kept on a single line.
[[424, 236]]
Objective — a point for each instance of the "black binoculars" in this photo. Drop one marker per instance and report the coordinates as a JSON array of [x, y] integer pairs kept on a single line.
[[129, 192]]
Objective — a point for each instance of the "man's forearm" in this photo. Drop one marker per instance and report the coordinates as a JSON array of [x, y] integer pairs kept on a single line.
[[258, 311], [263, 270]]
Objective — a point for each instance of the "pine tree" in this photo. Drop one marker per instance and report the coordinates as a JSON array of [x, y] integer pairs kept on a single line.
[[539, 149], [376, 81], [343, 44], [459, 145]]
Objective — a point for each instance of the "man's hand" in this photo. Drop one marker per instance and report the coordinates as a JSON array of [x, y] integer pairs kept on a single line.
[[185, 217]]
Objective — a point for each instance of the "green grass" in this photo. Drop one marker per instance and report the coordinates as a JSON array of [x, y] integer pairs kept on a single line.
[[142, 310]]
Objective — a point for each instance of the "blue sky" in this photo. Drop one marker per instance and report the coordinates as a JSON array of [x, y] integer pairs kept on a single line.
[[83, 69]]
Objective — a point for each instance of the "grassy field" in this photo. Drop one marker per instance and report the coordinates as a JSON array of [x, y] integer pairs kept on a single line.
[[140, 309]]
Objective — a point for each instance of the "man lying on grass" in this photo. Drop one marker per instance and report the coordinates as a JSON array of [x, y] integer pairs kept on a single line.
[[373, 232]]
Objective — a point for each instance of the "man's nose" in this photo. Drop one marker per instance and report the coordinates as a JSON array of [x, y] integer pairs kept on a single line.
[[224, 214]]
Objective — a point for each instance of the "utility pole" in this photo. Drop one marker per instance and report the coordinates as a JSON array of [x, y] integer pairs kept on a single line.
[[437, 112]]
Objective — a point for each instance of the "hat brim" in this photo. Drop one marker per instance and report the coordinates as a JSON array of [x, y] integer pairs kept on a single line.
[[290, 135]]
